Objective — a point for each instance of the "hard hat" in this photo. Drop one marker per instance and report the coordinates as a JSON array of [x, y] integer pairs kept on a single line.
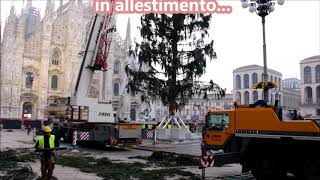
[[47, 129]]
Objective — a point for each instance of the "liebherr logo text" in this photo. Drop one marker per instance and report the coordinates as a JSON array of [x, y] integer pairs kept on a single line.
[[244, 131], [104, 102], [104, 114]]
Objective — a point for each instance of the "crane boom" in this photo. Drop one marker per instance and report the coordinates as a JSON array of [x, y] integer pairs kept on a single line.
[[93, 118], [95, 58]]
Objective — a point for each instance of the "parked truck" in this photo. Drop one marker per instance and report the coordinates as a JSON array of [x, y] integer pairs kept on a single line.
[[264, 143], [89, 119]]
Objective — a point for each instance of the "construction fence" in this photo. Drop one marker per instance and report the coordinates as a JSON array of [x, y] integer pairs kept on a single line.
[[148, 131]]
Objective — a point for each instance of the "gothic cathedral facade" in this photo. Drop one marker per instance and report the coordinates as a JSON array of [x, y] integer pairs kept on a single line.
[[40, 59]]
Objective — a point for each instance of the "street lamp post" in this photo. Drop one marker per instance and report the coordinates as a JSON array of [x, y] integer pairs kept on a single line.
[[262, 8]]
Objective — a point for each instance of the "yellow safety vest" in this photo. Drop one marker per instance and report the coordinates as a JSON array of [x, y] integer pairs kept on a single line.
[[169, 126], [51, 141], [149, 126], [143, 126]]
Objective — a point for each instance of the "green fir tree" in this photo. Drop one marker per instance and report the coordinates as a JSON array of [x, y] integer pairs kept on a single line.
[[171, 58]]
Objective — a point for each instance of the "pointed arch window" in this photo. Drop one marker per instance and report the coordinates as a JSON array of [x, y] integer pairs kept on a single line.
[[54, 82], [116, 89], [29, 79], [55, 57], [116, 69]]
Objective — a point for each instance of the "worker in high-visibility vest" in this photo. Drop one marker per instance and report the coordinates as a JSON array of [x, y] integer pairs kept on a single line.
[[143, 126], [150, 126], [47, 142], [169, 126]]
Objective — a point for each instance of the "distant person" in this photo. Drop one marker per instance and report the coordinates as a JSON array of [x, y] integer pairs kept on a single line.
[[295, 114], [235, 104], [29, 129], [46, 145]]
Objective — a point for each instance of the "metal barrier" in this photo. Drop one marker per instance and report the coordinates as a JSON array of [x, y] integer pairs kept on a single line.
[[11, 124], [20, 123]]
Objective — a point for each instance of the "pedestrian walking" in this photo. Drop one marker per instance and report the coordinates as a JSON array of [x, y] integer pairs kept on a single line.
[[29, 129]]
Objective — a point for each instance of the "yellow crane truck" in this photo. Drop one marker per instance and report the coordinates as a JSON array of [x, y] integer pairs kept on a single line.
[[263, 143]]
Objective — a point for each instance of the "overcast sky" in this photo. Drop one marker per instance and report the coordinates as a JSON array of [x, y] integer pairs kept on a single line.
[[292, 33]]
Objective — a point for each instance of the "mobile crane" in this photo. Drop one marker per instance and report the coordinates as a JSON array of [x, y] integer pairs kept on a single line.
[[93, 119], [263, 143]]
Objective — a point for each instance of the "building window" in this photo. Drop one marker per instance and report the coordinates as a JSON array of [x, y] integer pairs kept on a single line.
[[318, 94], [29, 79], [54, 82], [238, 82], [254, 78], [116, 69], [308, 95], [318, 74], [279, 81], [307, 75], [275, 81], [262, 77], [246, 98], [271, 78], [116, 89], [255, 96], [246, 81], [55, 57], [238, 97]]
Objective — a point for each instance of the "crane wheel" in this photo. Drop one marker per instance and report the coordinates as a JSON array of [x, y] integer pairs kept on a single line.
[[311, 170], [266, 169]]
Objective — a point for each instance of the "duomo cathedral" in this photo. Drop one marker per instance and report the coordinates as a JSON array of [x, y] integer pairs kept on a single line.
[[40, 59]]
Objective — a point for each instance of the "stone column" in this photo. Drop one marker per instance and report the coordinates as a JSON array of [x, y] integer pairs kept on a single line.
[[44, 67]]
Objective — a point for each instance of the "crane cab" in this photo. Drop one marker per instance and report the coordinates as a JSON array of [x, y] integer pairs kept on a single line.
[[218, 129]]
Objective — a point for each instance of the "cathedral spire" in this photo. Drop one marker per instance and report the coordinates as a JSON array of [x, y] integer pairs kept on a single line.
[[29, 4], [21, 26], [9, 28], [49, 7], [80, 2], [128, 35], [12, 9]]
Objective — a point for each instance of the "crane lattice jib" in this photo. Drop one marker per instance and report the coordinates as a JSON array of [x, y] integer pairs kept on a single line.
[[104, 42]]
